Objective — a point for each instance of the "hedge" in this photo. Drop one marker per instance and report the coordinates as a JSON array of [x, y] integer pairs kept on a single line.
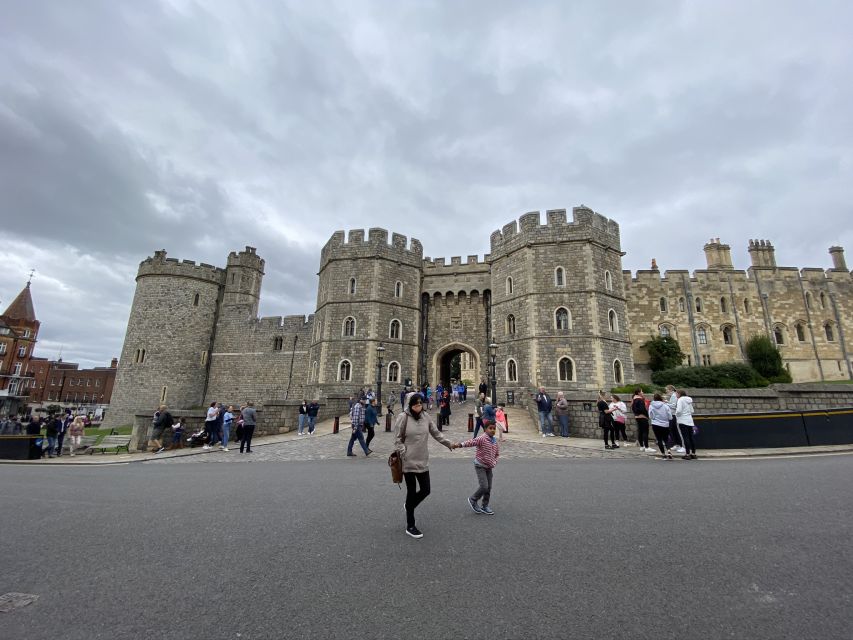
[[731, 375]]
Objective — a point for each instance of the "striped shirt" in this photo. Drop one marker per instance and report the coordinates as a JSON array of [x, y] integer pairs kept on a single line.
[[487, 450]]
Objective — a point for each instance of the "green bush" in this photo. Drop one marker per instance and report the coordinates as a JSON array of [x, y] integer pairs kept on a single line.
[[664, 352], [763, 355], [630, 388], [731, 375], [782, 378]]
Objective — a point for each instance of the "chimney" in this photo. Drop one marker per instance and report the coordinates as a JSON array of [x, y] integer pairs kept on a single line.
[[838, 262], [114, 363], [762, 253], [718, 255]]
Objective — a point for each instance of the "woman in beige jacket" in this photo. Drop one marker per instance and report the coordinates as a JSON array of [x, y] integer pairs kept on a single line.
[[412, 429]]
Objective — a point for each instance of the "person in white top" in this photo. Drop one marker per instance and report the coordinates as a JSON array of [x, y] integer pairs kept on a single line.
[[617, 410], [210, 424], [677, 441], [684, 416]]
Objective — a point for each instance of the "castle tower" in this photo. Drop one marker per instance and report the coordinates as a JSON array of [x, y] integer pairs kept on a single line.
[[838, 262], [165, 353], [243, 277], [559, 315], [718, 255], [369, 292]]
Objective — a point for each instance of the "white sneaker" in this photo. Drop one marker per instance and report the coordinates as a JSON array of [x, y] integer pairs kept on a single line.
[[224, 449], [551, 435], [205, 447], [679, 449], [626, 444], [543, 435]]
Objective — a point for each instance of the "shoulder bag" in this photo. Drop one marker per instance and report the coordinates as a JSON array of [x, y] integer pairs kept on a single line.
[[394, 460]]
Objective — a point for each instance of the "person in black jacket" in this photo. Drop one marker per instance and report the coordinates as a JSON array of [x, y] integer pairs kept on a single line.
[[605, 421], [303, 416], [51, 431], [313, 410], [164, 421], [641, 415]]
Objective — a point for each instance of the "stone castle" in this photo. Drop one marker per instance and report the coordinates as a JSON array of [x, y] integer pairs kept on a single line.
[[552, 297]]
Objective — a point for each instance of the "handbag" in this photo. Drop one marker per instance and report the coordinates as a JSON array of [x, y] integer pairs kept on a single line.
[[395, 462]]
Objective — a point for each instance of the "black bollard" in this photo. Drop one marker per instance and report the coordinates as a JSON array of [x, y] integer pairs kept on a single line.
[[337, 425], [470, 422], [387, 422]]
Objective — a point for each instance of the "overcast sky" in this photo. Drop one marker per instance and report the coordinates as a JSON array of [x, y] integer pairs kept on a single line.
[[201, 127]]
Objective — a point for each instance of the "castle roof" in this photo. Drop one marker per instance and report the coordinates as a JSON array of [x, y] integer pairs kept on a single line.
[[22, 307]]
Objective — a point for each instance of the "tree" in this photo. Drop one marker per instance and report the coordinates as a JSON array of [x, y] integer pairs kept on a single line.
[[764, 357], [664, 352]]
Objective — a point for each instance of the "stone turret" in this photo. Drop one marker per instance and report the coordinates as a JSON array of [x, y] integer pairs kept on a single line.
[[243, 278], [718, 255], [762, 253]]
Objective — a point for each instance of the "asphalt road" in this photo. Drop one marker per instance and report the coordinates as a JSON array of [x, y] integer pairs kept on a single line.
[[577, 549]]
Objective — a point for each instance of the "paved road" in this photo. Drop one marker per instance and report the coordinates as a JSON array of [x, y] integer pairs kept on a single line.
[[578, 548]]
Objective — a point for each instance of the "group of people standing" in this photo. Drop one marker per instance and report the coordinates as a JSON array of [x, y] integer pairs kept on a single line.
[[308, 416], [56, 427], [217, 427]]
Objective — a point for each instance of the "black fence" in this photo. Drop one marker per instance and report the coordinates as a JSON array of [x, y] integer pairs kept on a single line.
[[775, 430]]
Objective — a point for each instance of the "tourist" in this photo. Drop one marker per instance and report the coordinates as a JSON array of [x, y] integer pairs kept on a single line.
[[51, 430], [178, 434], [488, 452], [75, 432], [392, 399], [444, 410], [684, 417], [164, 421], [303, 415], [412, 427], [357, 417], [483, 388], [660, 417], [544, 404], [489, 414], [500, 421], [227, 421], [561, 410], [250, 418], [454, 389], [371, 421], [463, 389], [478, 412], [641, 415], [429, 397], [605, 421], [313, 410], [64, 423], [210, 425], [674, 432], [618, 410]]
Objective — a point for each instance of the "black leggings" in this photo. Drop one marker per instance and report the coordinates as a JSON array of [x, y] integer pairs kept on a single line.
[[687, 436], [619, 428], [661, 434], [606, 424], [246, 440], [371, 433], [643, 432], [415, 497]]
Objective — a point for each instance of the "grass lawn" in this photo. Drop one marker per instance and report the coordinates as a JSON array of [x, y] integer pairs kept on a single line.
[[94, 431]]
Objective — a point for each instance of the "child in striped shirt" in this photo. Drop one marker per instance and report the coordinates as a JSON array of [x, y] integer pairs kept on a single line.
[[488, 451]]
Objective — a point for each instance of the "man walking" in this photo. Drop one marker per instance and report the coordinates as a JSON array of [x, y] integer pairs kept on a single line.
[[250, 418], [313, 410], [544, 404], [357, 416]]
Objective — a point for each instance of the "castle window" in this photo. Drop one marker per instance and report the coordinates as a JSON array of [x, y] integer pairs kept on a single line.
[[779, 335], [511, 371], [163, 393], [566, 370], [702, 335], [352, 286], [706, 360], [801, 332], [663, 305], [277, 343], [822, 300], [562, 319], [808, 299], [681, 305], [394, 331], [559, 277], [318, 330], [746, 305], [195, 300], [665, 331], [232, 277], [613, 320], [698, 305], [394, 372], [349, 327], [728, 336], [618, 375], [608, 281], [344, 371], [510, 325], [830, 334], [398, 289], [723, 305], [508, 286], [139, 358], [202, 361]]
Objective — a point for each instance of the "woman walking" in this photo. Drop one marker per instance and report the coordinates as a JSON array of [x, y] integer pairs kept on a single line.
[[674, 433], [605, 421], [561, 410], [660, 417], [684, 417], [641, 415], [412, 428], [76, 431]]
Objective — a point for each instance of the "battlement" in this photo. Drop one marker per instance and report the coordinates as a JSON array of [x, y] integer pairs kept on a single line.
[[471, 262], [247, 258], [161, 265], [586, 225], [294, 324], [351, 245]]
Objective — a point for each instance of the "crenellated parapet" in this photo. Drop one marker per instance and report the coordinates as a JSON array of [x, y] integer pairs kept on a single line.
[[161, 265], [586, 226], [456, 264], [286, 324], [343, 246]]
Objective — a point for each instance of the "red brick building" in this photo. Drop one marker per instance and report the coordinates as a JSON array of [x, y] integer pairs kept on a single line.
[[64, 383], [18, 334]]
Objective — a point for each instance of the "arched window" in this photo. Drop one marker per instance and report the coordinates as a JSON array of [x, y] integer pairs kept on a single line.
[[314, 367], [510, 325], [566, 370], [746, 305], [352, 286], [613, 320], [394, 330], [277, 343], [394, 372], [664, 330], [698, 305], [398, 289], [702, 335], [724, 307], [618, 376], [509, 285], [562, 319], [559, 277], [349, 326], [801, 332], [827, 329], [809, 299], [344, 371], [728, 335], [608, 281], [822, 300], [318, 330], [681, 304], [779, 335], [195, 300], [511, 371], [662, 304]]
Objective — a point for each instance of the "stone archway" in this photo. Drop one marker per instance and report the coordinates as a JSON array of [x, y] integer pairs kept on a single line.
[[441, 362]]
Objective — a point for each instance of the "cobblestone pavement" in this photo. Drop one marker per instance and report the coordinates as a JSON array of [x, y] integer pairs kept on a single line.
[[521, 442]]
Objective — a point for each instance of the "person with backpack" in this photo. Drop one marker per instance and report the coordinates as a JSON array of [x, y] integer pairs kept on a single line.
[[412, 430], [605, 421], [641, 415], [164, 421], [684, 417]]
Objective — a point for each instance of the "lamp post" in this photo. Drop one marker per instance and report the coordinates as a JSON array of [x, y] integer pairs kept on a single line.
[[493, 352], [380, 351]]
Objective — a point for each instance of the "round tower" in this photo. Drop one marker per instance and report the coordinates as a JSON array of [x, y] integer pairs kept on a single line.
[[166, 347], [243, 277]]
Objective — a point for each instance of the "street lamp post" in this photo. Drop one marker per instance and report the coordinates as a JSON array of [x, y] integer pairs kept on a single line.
[[493, 352], [380, 351]]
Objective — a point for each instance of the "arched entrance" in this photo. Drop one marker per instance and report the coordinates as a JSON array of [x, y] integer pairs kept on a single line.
[[455, 361]]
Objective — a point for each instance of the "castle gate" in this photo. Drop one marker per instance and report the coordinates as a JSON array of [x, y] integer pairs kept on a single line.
[[455, 361]]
